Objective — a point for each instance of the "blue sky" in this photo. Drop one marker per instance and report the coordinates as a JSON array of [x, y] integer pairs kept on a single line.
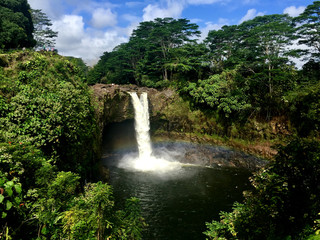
[[87, 28]]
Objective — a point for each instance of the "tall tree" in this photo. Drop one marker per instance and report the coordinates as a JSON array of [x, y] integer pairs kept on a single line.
[[150, 55], [114, 67], [161, 36], [15, 24], [260, 47], [267, 39], [309, 29], [43, 33], [223, 45], [188, 63]]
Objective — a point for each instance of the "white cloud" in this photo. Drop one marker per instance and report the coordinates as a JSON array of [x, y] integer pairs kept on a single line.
[[70, 28], [88, 6], [89, 44], [103, 18], [86, 36], [74, 37], [133, 23], [92, 47], [171, 9], [212, 26], [53, 9], [299, 62], [294, 11], [196, 20], [39, 4], [251, 13]]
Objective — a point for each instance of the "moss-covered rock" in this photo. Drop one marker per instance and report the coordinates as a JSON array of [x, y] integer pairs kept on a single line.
[[172, 118]]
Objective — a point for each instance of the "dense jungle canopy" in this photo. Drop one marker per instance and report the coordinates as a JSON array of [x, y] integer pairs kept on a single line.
[[237, 74]]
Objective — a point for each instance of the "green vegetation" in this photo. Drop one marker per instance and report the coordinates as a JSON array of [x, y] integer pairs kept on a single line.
[[48, 141], [147, 59], [239, 73], [242, 77], [47, 151], [16, 26], [284, 202], [44, 102], [239, 77], [308, 29], [43, 34]]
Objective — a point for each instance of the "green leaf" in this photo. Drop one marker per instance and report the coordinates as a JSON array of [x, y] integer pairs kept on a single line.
[[9, 191], [1, 198], [17, 200], [44, 230], [9, 184], [9, 205], [2, 181], [3, 215], [18, 188]]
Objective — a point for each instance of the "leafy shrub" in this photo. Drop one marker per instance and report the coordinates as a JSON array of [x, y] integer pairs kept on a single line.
[[304, 109], [47, 143], [284, 202], [220, 92], [51, 109]]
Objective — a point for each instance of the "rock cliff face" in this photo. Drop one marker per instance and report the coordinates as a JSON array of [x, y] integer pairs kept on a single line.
[[171, 118], [114, 102]]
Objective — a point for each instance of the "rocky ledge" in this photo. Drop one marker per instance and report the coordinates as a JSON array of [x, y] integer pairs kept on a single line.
[[114, 103], [171, 116]]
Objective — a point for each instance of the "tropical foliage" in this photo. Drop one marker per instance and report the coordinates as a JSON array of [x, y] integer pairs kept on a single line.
[[43, 34], [284, 202], [240, 74], [239, 71], [147, 58], [308, 29], [47, 150], [164, 52], [16, 26]]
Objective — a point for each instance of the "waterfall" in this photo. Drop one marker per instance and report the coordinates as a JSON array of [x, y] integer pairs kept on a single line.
[[142, 124], [146, 161]]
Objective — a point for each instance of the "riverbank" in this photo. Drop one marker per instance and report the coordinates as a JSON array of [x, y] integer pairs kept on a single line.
[[262, 149]]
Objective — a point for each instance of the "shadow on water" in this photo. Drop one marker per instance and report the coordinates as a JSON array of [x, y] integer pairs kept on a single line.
[[175, 204]]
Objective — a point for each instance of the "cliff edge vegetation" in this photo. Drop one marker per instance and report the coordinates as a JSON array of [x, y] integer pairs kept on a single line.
[[48, 153]]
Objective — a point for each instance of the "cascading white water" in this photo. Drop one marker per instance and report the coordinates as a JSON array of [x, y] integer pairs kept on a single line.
[[142, 125], [146, 161]]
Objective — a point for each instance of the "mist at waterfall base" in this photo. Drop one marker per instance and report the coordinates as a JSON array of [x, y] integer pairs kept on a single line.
[[146, 159], [176, 199]]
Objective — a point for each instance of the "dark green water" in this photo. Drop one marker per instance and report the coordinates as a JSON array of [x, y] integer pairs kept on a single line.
[[176, 205]]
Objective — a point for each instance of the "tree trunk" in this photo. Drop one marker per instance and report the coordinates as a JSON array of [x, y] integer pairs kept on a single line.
[[270, 81], [165, 74]]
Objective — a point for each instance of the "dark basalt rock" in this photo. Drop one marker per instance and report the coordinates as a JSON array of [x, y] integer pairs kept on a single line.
[[114, 102], [169, 113], [211, 155]]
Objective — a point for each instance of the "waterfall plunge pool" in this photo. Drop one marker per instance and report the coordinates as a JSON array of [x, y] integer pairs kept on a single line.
[[175, 204], [176, 199]]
